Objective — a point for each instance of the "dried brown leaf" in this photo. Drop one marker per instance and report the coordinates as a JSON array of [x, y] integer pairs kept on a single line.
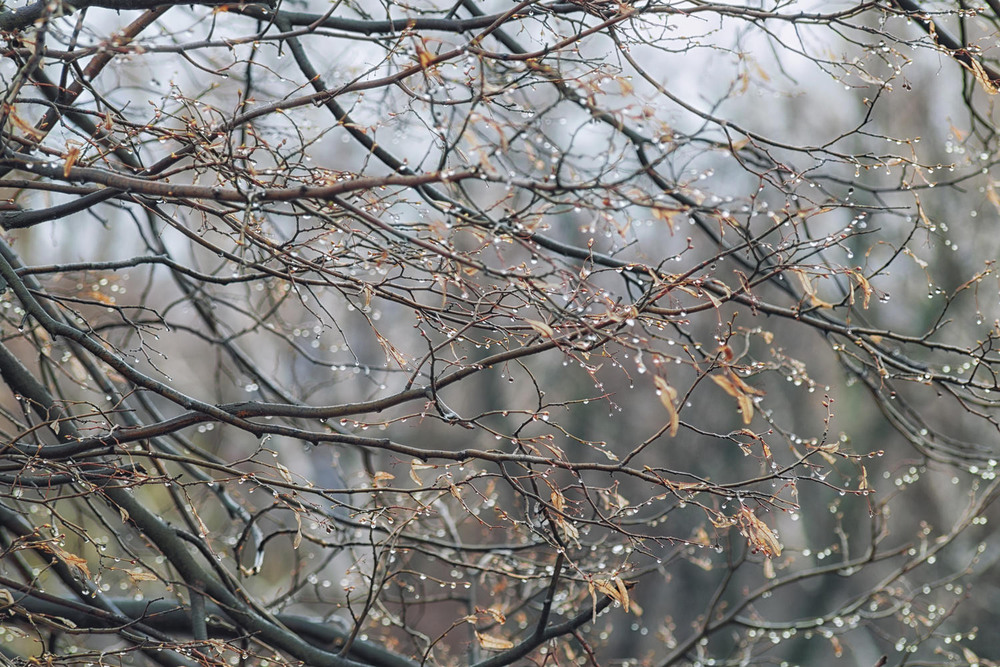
[[541, 328], [141, 575], [381, 477], [757, 533], [285, 474], [807, 286], [491, 643], [981, 75], [667, 396]]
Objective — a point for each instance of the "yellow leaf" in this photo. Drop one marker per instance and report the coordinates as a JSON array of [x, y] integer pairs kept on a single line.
[[426, 57], [71, 157], [140, 575], [491, 643]]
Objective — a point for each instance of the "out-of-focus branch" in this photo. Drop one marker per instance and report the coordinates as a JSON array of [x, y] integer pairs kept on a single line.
[[948, 44]]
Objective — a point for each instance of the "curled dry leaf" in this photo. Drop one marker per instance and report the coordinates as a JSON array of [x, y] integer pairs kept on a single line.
[[866, 289], [285, 473], [981, 75], [71, 559], [667, 396], [71, 157], [416, 465], [558, 499], [667, 215], [757, 533], [740, 390], [615, 589], [827, 451], [297, 540], [494, 613], [491, 643], [568, 531], [381, 477], [541, 328], [810, 289]]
